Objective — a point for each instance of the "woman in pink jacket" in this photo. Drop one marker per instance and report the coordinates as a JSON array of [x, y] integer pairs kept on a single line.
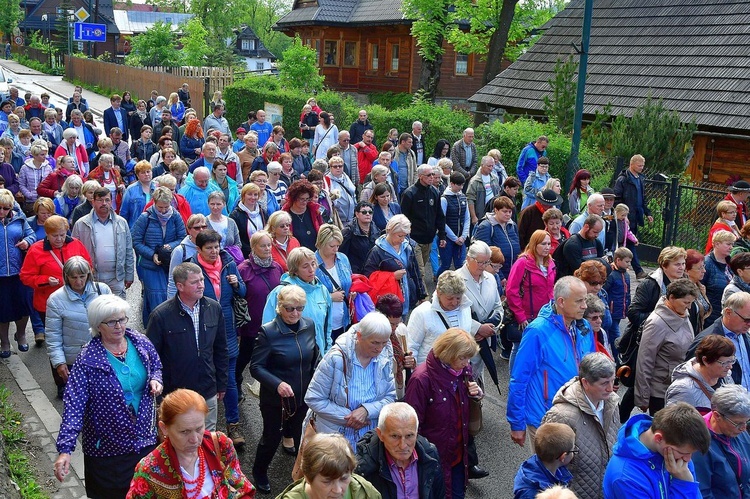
[[533, 276]]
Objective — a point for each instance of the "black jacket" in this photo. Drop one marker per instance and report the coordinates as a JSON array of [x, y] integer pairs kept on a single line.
[[373, 466], [380, 259], [358, 129], [281, 354], [203, 369], [357, 245], [718, 328], [569, 255], [626, 191], [421, 205], [241, 219]]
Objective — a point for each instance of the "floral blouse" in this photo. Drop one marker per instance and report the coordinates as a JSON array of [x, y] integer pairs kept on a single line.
[[158, 474]]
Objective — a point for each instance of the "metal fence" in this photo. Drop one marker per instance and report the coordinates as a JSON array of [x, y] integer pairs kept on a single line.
[[683, 215]]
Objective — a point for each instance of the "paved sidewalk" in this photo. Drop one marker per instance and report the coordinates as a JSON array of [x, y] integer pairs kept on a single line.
[[44, 427]]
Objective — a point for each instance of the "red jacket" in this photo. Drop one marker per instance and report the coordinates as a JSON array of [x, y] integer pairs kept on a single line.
[[383, 283], [280, 255], [40, 265], [530, 282], [180, 204], [741, 218], [366, 156], [52, 183]]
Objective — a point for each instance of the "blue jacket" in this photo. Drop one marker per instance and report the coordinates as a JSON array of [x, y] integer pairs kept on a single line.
[[228, 292], [17, 229], [533, 477], [546, 360], [95, 403], [636, 472], [527, 161], [188, 145], [618, 290], [715, 280], [627, 189], [490, 231], [196, 197], [147, 236], [231, 201], [317, 308], [133, 202], [344, 269], [717, 469], [534, 183]]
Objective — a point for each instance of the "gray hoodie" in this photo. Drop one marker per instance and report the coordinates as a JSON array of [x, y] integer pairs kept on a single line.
[[689, 386]]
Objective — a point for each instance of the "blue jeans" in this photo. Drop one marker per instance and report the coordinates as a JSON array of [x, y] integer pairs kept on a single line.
[[231, 397], [636, 263], [452, 252], [434, 257], [36, 320], [613, 333]]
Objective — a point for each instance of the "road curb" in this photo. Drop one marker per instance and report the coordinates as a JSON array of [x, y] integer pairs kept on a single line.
[[95, 112], [45, 411]]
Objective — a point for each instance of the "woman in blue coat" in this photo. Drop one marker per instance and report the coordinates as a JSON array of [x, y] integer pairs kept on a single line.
[[155, 234], [15, 237], [223, 284], [499, 229], [335, 272]]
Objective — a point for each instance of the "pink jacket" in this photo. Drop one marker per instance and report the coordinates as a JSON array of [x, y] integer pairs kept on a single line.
[[535, 290]]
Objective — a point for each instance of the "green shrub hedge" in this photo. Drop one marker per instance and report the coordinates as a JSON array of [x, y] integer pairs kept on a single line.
[[512, 136]]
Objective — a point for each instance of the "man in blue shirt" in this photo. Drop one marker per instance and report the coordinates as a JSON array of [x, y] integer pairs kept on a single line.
[[529, 156], [262, 128]]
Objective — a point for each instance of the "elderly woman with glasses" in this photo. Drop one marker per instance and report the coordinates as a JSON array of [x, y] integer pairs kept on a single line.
[[283, 361], [111, 398], [694, 381], [305, 213], [302, 272], [724, 471], [335, 272], [667, 335], [354, 381], [67, 323]]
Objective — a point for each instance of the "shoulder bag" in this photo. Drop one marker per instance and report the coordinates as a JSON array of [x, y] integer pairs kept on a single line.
[[475, 411]]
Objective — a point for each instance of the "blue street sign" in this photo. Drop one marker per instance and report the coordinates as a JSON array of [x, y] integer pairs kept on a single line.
[[89, 32]]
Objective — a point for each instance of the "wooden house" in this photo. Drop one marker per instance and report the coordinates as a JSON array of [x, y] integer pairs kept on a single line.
[[248, 46], [366, 47], [693, 54]]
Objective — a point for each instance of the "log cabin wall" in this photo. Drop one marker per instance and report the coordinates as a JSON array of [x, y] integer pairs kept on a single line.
[[716, 159]]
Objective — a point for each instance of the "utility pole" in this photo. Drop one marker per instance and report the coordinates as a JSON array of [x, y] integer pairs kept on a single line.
[[574, 163]]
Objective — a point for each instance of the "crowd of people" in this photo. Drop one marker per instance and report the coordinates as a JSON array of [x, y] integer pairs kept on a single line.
[[308, 260]]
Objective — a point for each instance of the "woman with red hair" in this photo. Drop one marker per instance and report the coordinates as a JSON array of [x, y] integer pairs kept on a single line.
[[579, 192], [192, 141], [305, 213]]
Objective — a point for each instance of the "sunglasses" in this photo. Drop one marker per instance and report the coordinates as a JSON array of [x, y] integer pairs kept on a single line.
[[366, 212], [292, 309]]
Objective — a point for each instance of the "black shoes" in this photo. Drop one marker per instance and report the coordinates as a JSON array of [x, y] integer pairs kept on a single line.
[[476, 472], [262, 484]]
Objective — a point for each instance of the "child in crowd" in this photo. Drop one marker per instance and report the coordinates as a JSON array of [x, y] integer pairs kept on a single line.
[[24, 142], [623, 226], [554, 444], [618, 290]]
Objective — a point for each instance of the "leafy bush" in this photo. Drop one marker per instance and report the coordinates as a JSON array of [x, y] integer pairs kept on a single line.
[[391, 100], [512, 136], [440, 122], [298, 68]]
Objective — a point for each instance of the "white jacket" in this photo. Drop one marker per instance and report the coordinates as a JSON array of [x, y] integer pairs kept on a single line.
[[425, 325]]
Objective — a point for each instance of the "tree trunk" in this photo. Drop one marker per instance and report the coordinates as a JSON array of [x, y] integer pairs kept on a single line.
[[498, 41], [429, 75]]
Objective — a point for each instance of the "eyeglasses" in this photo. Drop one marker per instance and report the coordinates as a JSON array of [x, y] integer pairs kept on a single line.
[[482, 264], [726, 363], [575, 450], [496, 266], [346, 140], [594, 317], [292, 309], [337, 166], [6, 208], [746, 319], [738, 426], [366, 212], [283, 226], [596, 283], [199, 227], [303, 200], [121, 321]]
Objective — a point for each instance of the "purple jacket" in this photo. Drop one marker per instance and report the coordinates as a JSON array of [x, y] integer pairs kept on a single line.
[[95, 404], [11, 181], [430, 393], [259, 281]]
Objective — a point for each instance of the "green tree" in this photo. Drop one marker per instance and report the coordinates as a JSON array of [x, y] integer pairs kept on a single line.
[[10, 15], [560, 105], [62, 31], [655, 132], [261, 15], [529, 17], [194, 43], [431, 21], [298, 69], [154, 47]]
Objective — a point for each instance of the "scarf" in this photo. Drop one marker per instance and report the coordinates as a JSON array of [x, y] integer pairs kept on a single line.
[[142, 115], [737, 281], [398, 356], [262, 262], [213, 271], [163, 219], [70, 204]]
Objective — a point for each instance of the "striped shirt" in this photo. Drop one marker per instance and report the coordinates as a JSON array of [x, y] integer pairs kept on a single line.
[[361, 390], [195, 315]]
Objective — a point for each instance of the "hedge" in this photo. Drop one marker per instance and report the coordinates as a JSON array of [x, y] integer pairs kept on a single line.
[[512, 136], [252, 93]]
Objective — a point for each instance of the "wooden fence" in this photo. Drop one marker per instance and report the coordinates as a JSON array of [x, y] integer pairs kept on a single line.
[[54, 60], [139, 81], [218, 78]]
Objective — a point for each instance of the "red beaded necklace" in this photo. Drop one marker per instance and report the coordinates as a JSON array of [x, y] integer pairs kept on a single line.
[[198, 482]]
